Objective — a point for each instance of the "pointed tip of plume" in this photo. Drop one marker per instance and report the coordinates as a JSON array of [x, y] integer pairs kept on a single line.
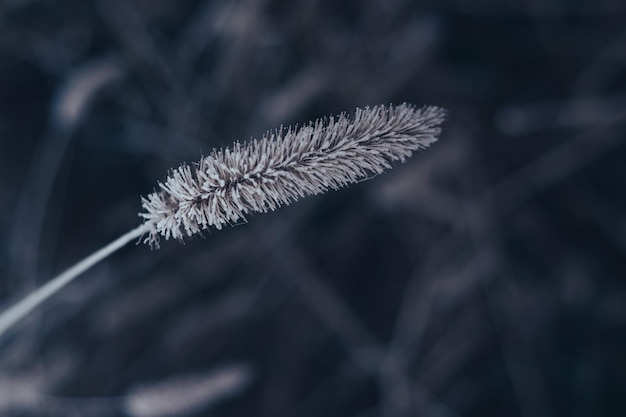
[[286, 165]]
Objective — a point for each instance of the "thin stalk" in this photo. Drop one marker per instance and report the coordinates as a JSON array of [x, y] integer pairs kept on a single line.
[[27, 304]]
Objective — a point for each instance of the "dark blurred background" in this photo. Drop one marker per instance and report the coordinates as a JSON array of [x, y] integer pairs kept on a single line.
[[485, 277]]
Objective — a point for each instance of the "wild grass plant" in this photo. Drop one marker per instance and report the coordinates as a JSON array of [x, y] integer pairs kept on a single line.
[[262, 175]]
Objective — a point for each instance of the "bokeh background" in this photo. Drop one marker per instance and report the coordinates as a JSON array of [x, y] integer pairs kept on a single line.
[[485, 277]]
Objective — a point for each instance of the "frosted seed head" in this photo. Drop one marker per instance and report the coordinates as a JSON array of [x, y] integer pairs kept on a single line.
[[284, 165]]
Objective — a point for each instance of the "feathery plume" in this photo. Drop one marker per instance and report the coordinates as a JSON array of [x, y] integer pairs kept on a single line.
[[285, 165]]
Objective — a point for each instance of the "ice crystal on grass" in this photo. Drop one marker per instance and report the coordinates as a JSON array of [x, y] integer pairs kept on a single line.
[[285, 165]]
